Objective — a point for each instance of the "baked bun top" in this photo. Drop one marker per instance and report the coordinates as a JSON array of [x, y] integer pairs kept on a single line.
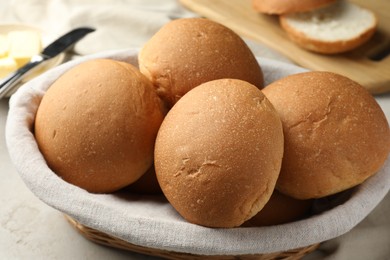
[[190, 51], [336, 135], [290, 6], [96, 125], [218, 153]]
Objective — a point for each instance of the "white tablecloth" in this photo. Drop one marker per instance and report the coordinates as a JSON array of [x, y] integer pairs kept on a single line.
[[30, 229]]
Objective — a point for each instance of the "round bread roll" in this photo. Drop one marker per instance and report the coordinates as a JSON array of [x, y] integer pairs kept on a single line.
[[190, 51], [97, 123], [218, 153], [147, 184], [280, 209], [336, 135], [290, 6], [336, 28]]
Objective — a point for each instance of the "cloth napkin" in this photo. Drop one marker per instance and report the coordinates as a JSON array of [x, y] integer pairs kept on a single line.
[[151, 221], [119, 24]]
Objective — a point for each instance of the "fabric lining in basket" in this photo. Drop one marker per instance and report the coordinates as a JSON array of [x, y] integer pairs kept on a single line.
[[107, 240], [153, 223]]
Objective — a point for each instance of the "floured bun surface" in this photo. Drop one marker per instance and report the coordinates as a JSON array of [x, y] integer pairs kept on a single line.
[[336, 28], [218, 153], [190, 51], [336, 135], [96, 125]]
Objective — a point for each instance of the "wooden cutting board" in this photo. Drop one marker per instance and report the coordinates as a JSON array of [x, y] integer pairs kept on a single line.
[[360, 64]]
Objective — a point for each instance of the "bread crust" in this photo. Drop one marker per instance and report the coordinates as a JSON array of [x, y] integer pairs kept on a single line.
[[280, 209], [147, 184], [218, 153], [286, 7], [326, 47], [96, 125], [188, 52], [336, 135]]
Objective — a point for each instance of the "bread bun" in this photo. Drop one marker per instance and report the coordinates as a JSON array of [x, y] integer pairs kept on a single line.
[[280, 209], [290, 6], [336, 28], [218, 153], [147, 184], [336, 135], [96, 125], [190, 51]]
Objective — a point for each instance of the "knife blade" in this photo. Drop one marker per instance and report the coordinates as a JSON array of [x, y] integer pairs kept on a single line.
[[60, 45]]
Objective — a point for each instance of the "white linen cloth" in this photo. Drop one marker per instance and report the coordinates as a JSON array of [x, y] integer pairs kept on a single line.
[[130, 23], [119, 24], [151, 221]]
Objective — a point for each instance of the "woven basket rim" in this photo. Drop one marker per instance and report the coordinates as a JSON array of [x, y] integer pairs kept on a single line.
[[77, 203], [111, 241]]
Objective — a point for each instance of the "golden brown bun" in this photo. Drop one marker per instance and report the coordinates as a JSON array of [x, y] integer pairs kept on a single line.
[[188, 52], [218, 153], [336, 135], [280, 209], [290, 6], [147, 184], [97, 123], [337, 28]]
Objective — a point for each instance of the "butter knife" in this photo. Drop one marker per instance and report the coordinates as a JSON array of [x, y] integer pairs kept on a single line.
[[58, 46]]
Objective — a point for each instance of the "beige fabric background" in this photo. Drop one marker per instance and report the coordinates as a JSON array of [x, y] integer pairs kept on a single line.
[[124, 24]]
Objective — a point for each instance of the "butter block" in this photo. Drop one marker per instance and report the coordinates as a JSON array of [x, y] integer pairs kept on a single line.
[[24, 45], [7, 65], [3, 45]]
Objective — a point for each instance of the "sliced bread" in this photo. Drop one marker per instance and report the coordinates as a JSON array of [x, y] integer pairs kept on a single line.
[[286, 7], [336, 28]]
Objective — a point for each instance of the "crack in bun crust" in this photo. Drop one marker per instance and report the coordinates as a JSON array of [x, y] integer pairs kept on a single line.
[[218, 153], [336, 135]]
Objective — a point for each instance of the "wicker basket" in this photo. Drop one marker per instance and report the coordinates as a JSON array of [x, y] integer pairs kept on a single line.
[[107, 240], [100, 217]]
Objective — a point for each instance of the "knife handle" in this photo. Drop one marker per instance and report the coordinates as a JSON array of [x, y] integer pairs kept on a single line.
[[9, 82]]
